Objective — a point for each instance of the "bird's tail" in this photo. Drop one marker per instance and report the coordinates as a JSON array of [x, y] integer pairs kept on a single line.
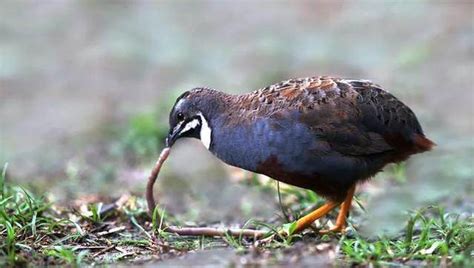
[[422, 143]]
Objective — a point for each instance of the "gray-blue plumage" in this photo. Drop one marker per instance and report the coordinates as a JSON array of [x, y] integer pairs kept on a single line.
[[290, 142]]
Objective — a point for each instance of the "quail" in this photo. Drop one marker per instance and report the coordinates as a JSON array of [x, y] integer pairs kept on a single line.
[[324, 134]]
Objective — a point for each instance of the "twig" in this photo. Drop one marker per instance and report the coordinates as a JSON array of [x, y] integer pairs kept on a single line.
[[122, 250], [90, 247], [124, 253], [103, 251], [111, 231], [165, 246]]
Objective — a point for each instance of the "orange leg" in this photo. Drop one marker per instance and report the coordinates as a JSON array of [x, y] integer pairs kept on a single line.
[[307, 220], [341, 217]]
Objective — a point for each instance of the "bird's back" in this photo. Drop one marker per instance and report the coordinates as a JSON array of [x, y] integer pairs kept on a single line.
[[356, 114]]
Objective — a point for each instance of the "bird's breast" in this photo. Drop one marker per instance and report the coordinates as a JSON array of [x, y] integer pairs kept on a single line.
[[250, 144]]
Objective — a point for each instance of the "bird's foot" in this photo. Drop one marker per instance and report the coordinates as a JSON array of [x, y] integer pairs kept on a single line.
[[336, 229], [266, 239], [280, 234]]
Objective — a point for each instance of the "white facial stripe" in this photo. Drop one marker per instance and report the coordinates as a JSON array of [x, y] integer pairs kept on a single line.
[[205, 132], [190, 125]]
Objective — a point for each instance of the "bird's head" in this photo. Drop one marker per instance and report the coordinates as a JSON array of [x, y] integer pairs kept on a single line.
[[187, 119]]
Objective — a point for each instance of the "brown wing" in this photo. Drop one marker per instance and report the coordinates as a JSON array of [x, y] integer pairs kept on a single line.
[[338, 120], [355, 117], [383, 113]]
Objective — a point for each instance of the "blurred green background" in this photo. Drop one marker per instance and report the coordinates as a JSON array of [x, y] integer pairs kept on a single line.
[[86, 87]]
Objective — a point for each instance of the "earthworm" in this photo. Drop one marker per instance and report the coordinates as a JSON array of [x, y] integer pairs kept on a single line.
[[191, 231]]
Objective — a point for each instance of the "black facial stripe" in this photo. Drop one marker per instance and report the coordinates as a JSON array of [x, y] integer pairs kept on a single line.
[[189, 125]]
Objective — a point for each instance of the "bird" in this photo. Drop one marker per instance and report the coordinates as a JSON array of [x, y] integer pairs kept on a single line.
[[321, 133]]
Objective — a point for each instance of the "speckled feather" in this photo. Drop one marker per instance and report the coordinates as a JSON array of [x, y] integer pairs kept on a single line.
[[319, 133]]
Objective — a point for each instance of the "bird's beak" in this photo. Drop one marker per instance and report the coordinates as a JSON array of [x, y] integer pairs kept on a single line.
[[173, 135]]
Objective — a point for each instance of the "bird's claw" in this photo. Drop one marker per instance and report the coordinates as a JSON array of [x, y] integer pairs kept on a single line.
[[335, 229], [280, 234]]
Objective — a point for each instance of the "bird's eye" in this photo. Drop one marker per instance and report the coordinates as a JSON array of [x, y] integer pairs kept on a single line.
[[180, 116]]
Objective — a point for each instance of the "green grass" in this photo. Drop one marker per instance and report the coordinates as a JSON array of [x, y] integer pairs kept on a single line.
[[25, 224], [66, 254], [94, 214], [430, 235], [34, 231]]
